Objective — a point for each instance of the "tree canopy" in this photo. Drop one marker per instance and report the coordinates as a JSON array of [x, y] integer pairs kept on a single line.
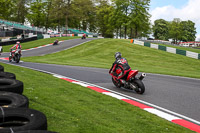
[[119, 18], [177, 30], [122, 18]]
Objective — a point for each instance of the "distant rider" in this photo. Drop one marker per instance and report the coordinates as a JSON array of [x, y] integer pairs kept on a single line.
[[18, 47], [120, 63], [56, 42], [84, 36]]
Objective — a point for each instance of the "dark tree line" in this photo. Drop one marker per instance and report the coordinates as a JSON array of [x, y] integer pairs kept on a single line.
[[121, 18], [177, 30]]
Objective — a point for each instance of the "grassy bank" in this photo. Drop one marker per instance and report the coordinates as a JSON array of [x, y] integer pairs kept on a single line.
[[37, 43], [100, 53], [71, 108]]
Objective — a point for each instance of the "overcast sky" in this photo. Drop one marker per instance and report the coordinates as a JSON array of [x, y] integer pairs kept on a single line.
[[183, 9]]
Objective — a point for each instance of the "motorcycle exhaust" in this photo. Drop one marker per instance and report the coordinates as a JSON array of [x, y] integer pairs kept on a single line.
[[142, 76]]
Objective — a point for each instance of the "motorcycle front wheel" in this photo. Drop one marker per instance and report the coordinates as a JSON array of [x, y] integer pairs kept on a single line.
[[17, 58], [117, 84], [140, 88], [10, 58]]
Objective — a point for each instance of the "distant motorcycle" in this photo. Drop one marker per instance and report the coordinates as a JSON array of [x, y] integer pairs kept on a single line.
[[132, 82], [56, 42], [83, 37], [15, 56]]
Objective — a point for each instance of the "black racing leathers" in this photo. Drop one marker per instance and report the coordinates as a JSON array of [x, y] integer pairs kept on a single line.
[[121, 63]]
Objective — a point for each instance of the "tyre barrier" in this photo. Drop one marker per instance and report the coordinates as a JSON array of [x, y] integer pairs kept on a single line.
[[15, 117], [11, 85], [21, 119], [35, 131], [7, 75], [13, 100], [1, 68]]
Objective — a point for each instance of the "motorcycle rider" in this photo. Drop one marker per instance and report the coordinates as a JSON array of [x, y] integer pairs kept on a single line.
[[120, 63], [56, 42], [18, 47], [84, 36]]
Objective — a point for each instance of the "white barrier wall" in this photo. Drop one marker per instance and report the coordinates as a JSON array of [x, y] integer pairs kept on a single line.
[[171, 50], [90, 35], [46, 36], [80, 34], [70, 34], [139, 42], [7, 39], [154, 46], [100, 37], [192, 54], [30, 35]]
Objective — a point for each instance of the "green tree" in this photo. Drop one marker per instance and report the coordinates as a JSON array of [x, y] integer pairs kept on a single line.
[[188, 31], [175, 30], [84, 12], [134, 15], [57, 14], [36, 14], [104, 15], [48, 9], [21, 10], [140, 18], [6, 9], [121, 15], [161, 29]]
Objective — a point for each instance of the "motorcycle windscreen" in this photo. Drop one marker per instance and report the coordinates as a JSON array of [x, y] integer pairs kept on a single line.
[[132, 73]]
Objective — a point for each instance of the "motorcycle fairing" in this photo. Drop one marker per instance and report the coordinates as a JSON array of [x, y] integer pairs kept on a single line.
[[131, 74]]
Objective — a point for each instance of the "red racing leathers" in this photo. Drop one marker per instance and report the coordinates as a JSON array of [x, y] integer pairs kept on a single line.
[[120, 63], [17, 47]]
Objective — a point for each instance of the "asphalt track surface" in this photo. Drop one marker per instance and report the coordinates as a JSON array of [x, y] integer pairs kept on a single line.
[[172, 94]]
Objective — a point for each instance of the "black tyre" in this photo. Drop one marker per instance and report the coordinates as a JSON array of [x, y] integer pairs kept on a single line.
[[10, 59], [17, 58], [117, 84], [7, 75], [1, 68], [35, 131], [140, 88], [13, 100], [21, 119], [11, 85]]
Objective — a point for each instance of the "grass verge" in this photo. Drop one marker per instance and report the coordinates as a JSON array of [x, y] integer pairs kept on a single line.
[[100, 53], [37, 43], [71, 108]]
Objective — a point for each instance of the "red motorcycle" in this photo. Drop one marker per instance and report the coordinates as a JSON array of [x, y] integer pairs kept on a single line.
[[131, 81]]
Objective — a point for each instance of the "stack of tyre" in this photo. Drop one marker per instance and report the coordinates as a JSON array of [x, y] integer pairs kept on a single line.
[[15, 116]]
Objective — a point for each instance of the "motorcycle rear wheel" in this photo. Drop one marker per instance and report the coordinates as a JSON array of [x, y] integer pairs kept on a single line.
[[117, 84], [140, 88]]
